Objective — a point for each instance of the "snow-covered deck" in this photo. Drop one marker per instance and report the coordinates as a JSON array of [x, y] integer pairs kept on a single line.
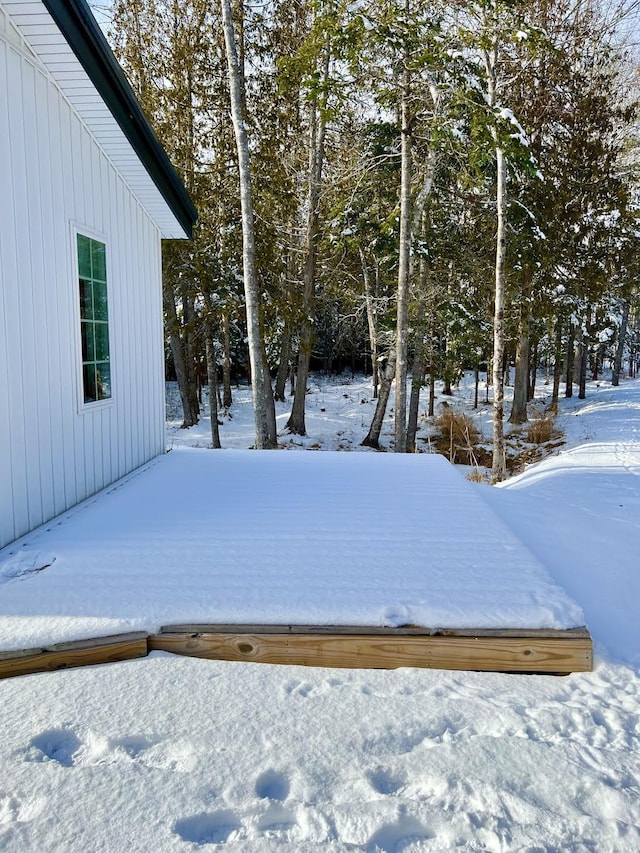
[[277, 538]]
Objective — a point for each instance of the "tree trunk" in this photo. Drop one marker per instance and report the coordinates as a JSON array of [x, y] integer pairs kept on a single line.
[[577, 356], [251, 290], [547, 359], [417, 380], [533, 370], [582, 365], [371, 323], [227, 399], [272, 426], [404, 252], [568, 391], [476, 382], [446, 388], [189, 417], [410, 220], [212, 379], [283, 364], [498, 468], [189, 329], [417, 372], [557, 367], [372, 438], [432, 389], [521, 380], [317, 129], [622, 336]]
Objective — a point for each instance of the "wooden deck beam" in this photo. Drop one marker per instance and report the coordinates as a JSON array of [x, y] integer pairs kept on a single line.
[[491, 650], [96, 650], [498, 650]]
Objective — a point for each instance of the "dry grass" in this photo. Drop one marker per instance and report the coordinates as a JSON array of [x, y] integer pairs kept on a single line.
[[459, 427], [541, 430], [458, 438], [477, 476], [541, 438]]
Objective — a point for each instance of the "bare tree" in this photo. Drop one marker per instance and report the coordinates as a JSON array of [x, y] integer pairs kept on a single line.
[[265, 437]]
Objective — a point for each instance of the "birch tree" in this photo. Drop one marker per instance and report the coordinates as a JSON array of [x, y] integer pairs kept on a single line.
[[487, 28], [491, 56], [262, 400], [404, 241]]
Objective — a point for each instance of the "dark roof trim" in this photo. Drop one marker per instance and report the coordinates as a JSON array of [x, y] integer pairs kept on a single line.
[[85, 38]]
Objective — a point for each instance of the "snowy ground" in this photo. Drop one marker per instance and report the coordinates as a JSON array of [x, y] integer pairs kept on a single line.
[[167, 754], [260, 537], [339, 410]]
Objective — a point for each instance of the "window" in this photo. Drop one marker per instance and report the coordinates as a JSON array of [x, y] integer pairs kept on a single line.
[[94, 319]]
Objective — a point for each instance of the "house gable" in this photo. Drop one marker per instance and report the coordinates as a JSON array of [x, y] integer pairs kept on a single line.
[[10, 33], [67, 40]]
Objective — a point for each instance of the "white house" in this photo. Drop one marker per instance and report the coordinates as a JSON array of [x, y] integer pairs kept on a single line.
[[86, 194]]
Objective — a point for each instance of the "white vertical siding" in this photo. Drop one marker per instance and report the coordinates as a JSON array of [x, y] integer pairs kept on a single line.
[[54, 451], [8, 308], [10, 33]]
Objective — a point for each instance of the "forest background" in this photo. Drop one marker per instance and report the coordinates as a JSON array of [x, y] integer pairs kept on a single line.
[[403, 187]]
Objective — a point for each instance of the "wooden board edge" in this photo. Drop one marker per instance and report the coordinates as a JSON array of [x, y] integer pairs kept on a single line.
[[538, 652], [403, 630], [485, 654], [98, 650], [70, 645]]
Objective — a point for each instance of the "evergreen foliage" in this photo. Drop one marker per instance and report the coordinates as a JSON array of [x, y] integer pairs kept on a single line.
[[376, 132]]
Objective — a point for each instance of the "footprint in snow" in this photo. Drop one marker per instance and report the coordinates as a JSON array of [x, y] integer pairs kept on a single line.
[[59, 745], [67, 749], [272, 785], [134, 747], [396, 837], [298, 688], [385, 782], [208, 828], [277, 819]]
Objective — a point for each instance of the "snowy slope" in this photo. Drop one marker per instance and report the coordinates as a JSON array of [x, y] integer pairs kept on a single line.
[[579, 512]]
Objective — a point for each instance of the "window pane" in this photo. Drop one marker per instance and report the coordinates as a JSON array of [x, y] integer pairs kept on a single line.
[[84, 256], [101, 342], [94, 327], [89, 377], [98, 262], [99, 300], [88, 343], [86, 301], [103, 380]]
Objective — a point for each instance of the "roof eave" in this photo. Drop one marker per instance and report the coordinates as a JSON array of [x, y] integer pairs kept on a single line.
[[82, 33]]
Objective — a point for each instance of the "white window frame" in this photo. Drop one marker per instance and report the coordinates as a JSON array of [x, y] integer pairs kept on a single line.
[[92, 234]]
